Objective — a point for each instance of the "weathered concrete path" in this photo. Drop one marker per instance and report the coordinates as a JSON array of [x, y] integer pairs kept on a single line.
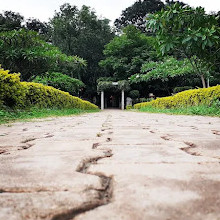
[[111, 165]]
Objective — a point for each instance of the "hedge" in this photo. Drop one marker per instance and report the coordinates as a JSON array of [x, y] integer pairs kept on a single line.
[[17, 94], [193, 97]]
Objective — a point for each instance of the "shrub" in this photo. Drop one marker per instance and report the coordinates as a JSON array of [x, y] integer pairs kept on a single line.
[[60, 81], [11, 91], [16, 94], [187, 98], [128, 107]]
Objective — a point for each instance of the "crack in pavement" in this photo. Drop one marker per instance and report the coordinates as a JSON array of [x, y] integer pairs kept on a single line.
[[28, 140], [95, 145], [188, 149], [105, 193], [25, 144], [166, 137], [190, 145], [85, 164], [20, 190]]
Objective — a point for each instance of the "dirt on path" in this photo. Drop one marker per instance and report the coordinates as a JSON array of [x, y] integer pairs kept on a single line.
[[111, 165]]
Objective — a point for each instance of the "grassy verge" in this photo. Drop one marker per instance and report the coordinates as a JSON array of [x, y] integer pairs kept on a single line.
[[7, 116], [193, 110]]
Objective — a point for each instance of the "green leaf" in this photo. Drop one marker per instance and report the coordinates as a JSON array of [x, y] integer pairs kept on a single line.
[[186, 40]]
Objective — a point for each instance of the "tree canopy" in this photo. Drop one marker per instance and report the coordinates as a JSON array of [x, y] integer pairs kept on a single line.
[[42, 28], [25, 52], [125, 54], [137, 13], [81, 32], [163, 70], [190, 32], [10, 20]]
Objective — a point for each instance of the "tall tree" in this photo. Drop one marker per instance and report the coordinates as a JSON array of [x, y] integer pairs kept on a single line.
[[137, 13], [10, 20], [125, 54], [81, 32], [42, 28]]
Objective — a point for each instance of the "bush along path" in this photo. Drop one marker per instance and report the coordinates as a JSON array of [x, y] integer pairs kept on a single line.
[[17, 95], [195, 101]]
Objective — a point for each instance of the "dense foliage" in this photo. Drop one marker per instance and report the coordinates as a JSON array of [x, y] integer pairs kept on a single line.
[[125, 54], [137, 13], [42, 28], [12, 93], [10, 21], [168, 73], [81, 32], [23, 51], [61, 81], [16, 94], [163, 70], [189, 32]]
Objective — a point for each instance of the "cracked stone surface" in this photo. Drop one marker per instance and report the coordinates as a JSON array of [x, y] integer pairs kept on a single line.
[[111, 165]]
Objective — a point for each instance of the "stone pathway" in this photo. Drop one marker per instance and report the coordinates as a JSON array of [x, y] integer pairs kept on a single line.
[[111, 165]]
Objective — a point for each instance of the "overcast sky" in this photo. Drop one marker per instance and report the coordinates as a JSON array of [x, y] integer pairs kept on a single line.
[[111, 9]]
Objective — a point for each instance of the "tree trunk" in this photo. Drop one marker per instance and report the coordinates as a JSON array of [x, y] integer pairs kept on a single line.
[[203, 81]]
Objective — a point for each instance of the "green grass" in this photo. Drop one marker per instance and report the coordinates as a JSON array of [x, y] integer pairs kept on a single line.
[[192, 110], [7, 116]]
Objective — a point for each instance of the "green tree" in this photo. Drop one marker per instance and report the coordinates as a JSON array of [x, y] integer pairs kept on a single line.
[[125, 54], [137, 13], [189, 32], [10, 20], [81, 32], [166, 70], [42, 28], [24, 51], [172, 2]]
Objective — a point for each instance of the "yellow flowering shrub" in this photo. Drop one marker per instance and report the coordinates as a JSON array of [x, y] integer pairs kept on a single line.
[[11, 91], [16, 94], [186, 98]]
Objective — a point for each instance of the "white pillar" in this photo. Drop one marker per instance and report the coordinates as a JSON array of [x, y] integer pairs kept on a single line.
[[122, 99], [208, 83], [102, 100]]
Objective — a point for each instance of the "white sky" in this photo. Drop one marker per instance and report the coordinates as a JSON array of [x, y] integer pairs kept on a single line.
[[111, 9]]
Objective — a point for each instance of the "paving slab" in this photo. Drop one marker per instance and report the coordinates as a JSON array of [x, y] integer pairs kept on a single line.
[[111, 165]]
